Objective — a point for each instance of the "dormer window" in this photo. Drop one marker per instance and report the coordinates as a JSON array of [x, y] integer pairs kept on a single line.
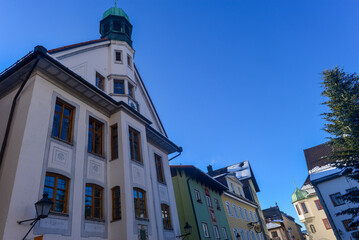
[[118, 87], [129, 61], [118, 56], [100, 81], [131, 91]]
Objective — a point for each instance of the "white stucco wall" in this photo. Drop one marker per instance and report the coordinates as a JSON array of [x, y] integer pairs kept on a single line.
[[332, 186]]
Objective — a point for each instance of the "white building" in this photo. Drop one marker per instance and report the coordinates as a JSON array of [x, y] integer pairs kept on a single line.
[[84, 130], [329, 184]]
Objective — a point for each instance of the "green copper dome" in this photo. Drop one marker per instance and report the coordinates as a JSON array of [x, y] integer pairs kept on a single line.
[[299, 195], [115, 12]]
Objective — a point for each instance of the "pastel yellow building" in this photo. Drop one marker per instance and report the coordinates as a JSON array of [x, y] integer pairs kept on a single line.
[[311, 213], [244, 215]]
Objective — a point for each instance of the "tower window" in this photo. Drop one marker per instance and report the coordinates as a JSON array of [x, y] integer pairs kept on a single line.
[[129, 61], [166, 216], [118, 56], [159, 169], [131, 90], [100, 81], [95, 137], [139, 196], [114, 142], [116, 203], [117, 26], [127, 30], [106, 27], [63, 118], [93, 201], [118, 87], [57, 188], [134, 141]]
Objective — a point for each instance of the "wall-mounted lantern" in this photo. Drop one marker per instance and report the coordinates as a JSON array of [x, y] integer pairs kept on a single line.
[[187, 230], [43, 207]]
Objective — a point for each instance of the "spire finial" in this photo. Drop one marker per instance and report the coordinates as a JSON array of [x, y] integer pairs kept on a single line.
[[115, 3]]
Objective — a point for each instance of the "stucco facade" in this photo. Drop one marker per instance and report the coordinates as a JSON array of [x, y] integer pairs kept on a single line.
[[198, 199], [108, 169]]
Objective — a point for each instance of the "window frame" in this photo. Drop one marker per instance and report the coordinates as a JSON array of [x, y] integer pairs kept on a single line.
[[236, 214], [209, 201], [229, 209], [119, 81], [115, 218], [101, 189], [118, 52], [205, 230], [217, 235], [137, 203], [114, 142], [159, 169], [297, 207], [94, 134], [131, 90], [318, 205], [326, 224], [224, 233], [71, 108], [167, 223], [132, 132], [55, 188], [129, 61], [100, 81], [304, 207], [312, 228], [346, 225], [336, 199], [216, 202], [241, 212], [197, 195]]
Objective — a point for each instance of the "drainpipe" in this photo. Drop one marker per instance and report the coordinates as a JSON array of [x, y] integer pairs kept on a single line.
[[179, 153], [193, 209], [13, 106]]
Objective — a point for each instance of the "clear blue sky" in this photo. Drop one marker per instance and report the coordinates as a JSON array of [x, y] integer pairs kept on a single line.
[[232, 80]]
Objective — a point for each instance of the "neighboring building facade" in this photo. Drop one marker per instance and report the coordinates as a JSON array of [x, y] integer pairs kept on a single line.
[[198, 199], [85, 131], [329, 184], [241, 213], [287, 227], [311, 213], [241, 176]]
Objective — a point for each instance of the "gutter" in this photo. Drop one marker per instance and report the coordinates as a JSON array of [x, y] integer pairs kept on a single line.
[[37, 50], [193, 209], [179, 153]]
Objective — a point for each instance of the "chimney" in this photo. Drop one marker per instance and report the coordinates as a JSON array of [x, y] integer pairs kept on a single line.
[[210, 170]]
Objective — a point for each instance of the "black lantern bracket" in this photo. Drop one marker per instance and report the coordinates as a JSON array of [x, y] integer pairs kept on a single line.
[[187, 230], [43, 207]]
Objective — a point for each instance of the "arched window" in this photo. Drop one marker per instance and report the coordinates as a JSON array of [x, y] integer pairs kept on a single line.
[[246, 213], [242, 234], [248, 236], [166, 216], [235, 211], [93, 201], [57, 187], [241, 212], [255, 217], [116, 203], [117, 26], [312, 228], [235, 232], [229, 209], [139, 196], [251, 214]]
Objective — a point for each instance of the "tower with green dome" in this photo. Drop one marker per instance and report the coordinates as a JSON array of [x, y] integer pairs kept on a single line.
[[115, 25], [299, 195]]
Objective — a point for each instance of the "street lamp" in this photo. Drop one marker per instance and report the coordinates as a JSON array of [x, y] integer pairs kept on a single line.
[[187, 230], [43, 207]]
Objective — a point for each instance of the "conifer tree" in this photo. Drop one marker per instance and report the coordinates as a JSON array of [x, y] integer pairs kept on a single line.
[[341, 90]]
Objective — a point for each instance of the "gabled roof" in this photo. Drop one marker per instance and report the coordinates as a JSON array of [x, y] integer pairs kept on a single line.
[[318, 156], [13, 75], [241, 170], [198, 175], [81, 44]]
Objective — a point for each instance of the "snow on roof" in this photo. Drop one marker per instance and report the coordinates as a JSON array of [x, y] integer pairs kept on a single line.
[[325, 173], [241, 170], [272, 225]]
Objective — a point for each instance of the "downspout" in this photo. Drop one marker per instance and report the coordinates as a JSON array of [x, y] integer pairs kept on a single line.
[[193, 209], [11, 115], [179, 153], [324, 205]]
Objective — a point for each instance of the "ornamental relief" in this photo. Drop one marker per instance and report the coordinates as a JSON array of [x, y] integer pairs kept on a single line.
[[60, 157]]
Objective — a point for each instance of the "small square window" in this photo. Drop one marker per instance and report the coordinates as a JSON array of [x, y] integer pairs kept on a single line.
[[337, 199], [326, 224], [118, 56]]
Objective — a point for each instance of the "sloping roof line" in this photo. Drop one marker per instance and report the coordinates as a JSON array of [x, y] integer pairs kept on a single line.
[[196, 173], [317, 156], [81, 44]]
